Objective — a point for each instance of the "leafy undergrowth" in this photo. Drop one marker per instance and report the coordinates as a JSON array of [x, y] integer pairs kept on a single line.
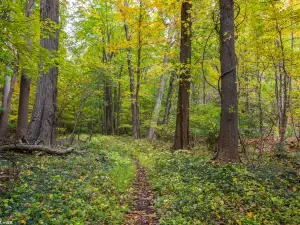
[[194, 190], [73, 189], [190, 188]]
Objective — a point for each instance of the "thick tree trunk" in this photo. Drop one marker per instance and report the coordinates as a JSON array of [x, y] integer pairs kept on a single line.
[[181, 139], [228, 140], [22, 124], [6, 101], [23, 107], [42, 127], [156, 110], [108, 108]]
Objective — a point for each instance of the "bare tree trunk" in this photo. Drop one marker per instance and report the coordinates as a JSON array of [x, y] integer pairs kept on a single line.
[[23, 107], [42, 127], [181, 139], [78, 115], [169, 99], [277, 107], [118, 102], [6, 100], [260, 109], [204, 92], [284, 107], [138, 73], [228, 139], [284, 92], [156, 110], [22, 124], [108, 108], [134, 103]]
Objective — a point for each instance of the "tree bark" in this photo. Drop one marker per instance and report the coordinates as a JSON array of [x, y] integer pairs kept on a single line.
[[228, 139], [42, 127], [22, 124], [108, 108], [181, 139]]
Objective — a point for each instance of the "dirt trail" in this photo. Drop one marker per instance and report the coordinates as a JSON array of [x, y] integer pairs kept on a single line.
[[144, 212]]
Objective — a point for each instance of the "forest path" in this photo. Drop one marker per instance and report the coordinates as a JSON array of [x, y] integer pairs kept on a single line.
[[143, 212]]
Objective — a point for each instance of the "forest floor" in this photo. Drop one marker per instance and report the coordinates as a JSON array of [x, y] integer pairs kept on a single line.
[[126, 181]]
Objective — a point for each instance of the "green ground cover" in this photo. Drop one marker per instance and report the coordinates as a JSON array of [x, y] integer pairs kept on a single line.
[[189, 187]]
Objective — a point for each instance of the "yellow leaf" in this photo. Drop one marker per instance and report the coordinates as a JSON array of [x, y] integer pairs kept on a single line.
[[250, 215]]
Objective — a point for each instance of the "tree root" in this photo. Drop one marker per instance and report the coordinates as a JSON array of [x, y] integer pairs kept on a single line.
[[22, 148]]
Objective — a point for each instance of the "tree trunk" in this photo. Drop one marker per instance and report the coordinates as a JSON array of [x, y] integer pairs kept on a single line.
[[284, 93], [42, 127], [156, 110], [108, 108], [23, 107], [181, 139], [284, 107], [6, 100], [169, 99], [22, 124], [133, 92], [118, 102], [228, 140], [138, 73]]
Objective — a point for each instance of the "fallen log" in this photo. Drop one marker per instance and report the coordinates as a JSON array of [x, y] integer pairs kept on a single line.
[[38, 148]]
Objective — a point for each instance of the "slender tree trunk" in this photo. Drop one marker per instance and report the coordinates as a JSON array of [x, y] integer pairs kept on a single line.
[[132, 95], [118, 102], [181, 139], [22, 124], [277, 107], [133, 92], [155, 114], [260, 107], [284, 92], [204, 92], [169, 99], [228, 139], [42, 127], [284, 107], [6, 101], [138, 73], [78, 116]]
